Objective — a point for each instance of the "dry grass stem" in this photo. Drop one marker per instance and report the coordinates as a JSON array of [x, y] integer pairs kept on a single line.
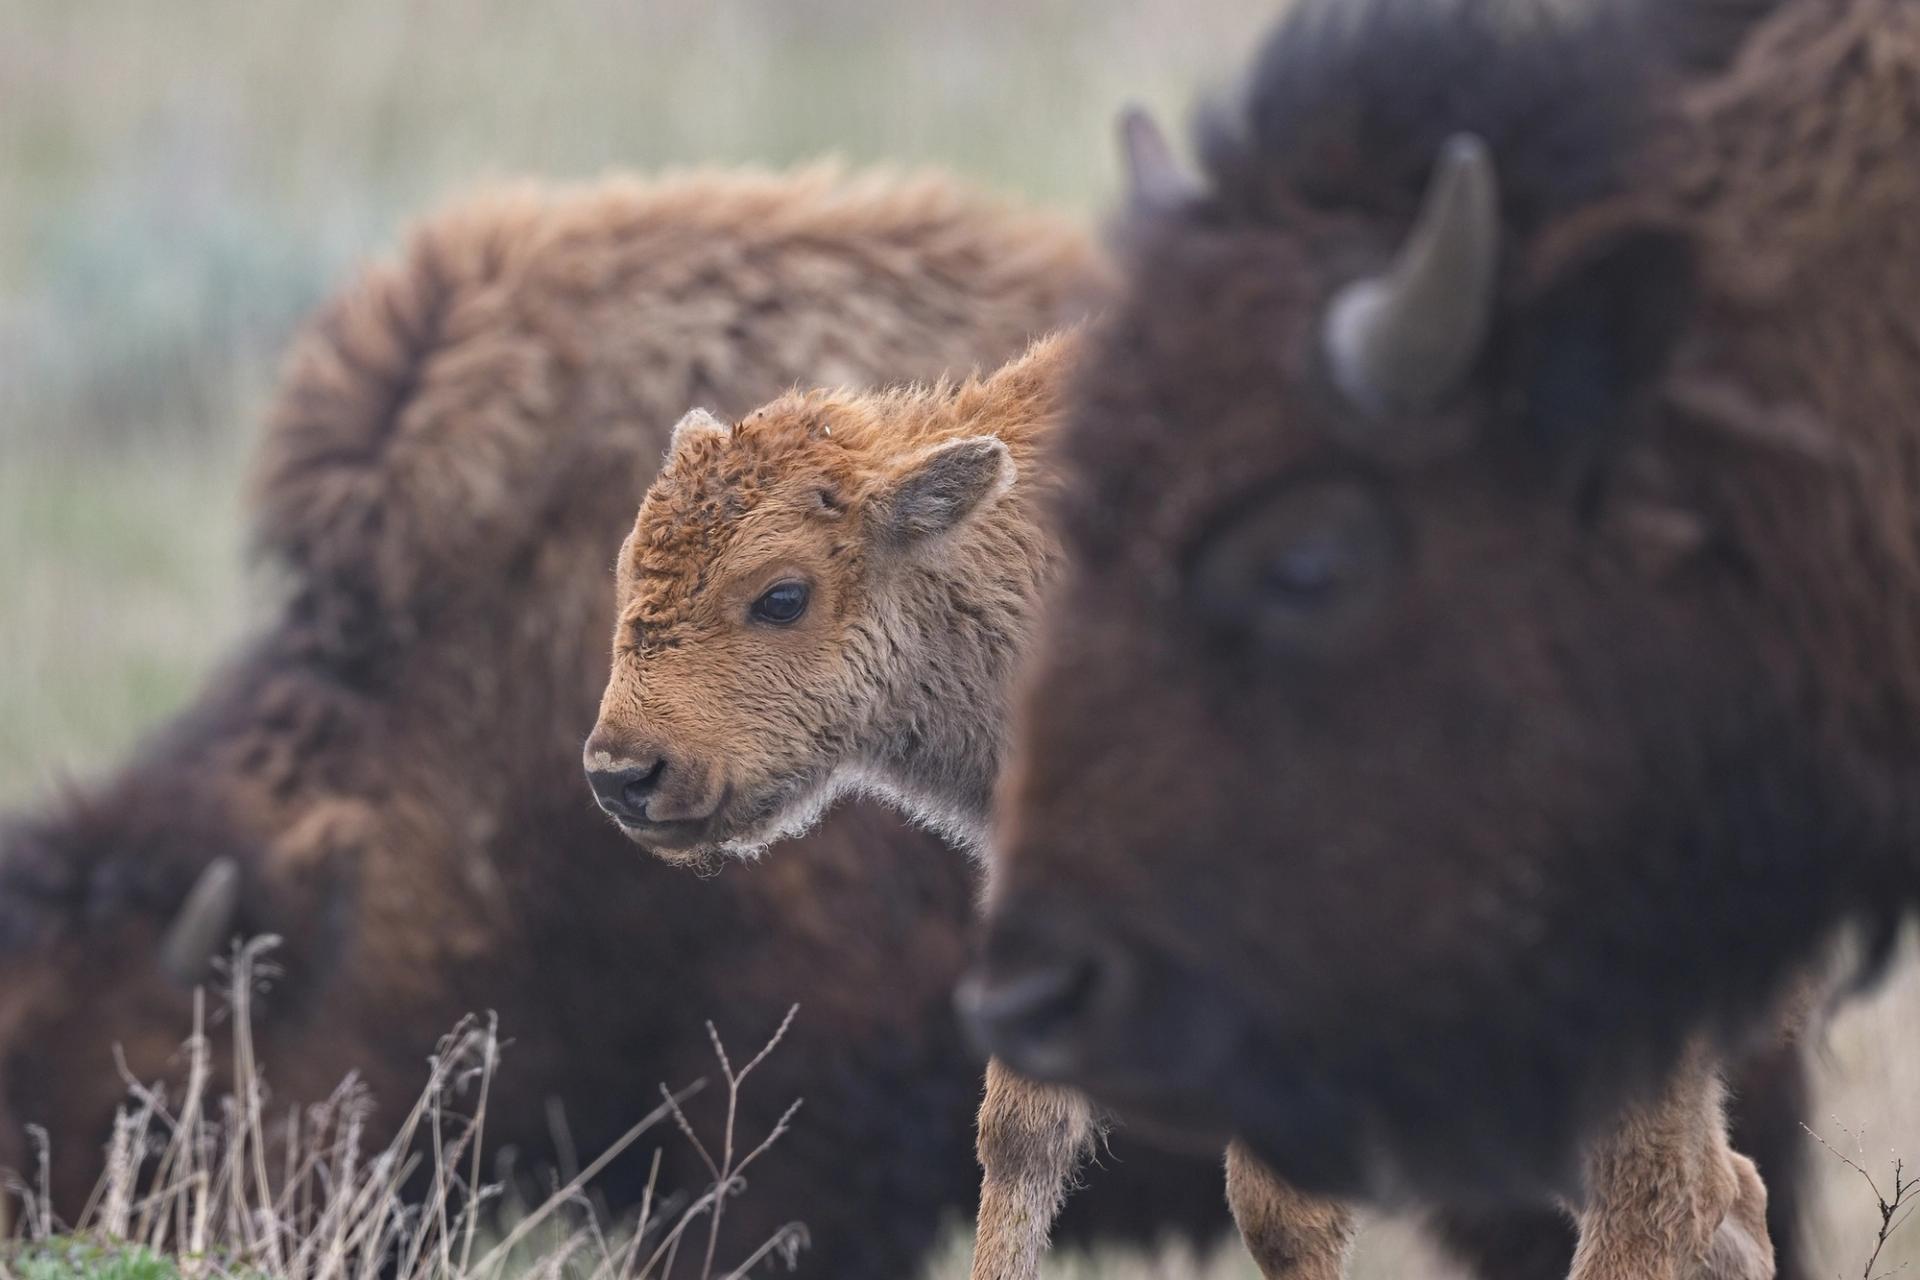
[[229, 1186]]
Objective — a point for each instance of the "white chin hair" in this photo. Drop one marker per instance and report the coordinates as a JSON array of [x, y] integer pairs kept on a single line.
[[796, 818]]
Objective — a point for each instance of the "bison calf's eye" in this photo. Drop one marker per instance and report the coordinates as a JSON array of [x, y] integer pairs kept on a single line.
[[1303, 571], [781, 604]]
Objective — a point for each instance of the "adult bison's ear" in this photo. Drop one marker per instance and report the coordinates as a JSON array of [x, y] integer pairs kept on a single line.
[[35, 887], [1155, 182], [1591, 341], [938, 490]]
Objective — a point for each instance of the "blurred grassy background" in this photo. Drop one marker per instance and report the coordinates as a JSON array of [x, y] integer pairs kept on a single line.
[[180, 182], [183, 180]]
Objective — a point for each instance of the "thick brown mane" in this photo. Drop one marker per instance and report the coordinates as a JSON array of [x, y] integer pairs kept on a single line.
[[1811, 262], [553, 336]]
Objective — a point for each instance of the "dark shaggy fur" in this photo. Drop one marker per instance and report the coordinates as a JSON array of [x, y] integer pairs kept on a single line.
[[1612, 727], [393, 761]]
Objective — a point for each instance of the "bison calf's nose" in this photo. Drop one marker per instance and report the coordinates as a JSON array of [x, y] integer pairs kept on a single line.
[[623, 789], [1040, 1001]]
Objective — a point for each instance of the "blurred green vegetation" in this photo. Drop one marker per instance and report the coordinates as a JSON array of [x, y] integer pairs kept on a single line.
[[79, 1260], [184, 181]]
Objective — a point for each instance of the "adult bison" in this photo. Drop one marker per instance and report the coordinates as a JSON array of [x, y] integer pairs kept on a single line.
[[1487, 659], [391, 762]]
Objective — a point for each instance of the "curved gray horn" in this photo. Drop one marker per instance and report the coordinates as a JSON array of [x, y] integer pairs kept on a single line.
[[202, 924], [1402, 341], [1155, 179]]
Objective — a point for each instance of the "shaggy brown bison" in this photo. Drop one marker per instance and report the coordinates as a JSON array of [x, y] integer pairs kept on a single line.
[[1486, 664], [835, 594], [391, 763]]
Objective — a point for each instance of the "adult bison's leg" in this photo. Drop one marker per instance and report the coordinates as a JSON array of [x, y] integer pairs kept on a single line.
[[1667, 1197], [1772, 1097], [1032, 1139], [1289, 1233]]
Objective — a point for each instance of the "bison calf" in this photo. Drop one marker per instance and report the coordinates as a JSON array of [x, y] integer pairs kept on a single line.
[[835, 595]]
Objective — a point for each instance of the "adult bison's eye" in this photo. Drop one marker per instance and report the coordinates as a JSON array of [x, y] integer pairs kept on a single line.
[[781, 604], [1304, 571]]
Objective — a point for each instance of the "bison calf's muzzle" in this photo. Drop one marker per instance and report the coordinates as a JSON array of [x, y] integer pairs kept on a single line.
[[624, 790], [660, 799]]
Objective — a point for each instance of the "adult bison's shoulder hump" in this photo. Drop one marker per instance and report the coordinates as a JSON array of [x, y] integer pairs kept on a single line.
[[443, 409]]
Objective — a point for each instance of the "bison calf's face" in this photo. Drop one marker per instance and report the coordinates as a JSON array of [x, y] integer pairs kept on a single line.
[[1406, 766], [775, 598]]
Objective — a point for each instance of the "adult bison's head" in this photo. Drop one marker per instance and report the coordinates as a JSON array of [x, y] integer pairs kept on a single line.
[[1419, 747], [103, 939]]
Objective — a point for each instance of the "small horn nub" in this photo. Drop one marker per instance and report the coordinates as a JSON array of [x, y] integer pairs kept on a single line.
[[1401, 342], [202, 923], [1155, 179]]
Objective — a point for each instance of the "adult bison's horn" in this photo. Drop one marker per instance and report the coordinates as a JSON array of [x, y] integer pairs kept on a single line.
[[202, 924], [1155, 179], [1402, 341]]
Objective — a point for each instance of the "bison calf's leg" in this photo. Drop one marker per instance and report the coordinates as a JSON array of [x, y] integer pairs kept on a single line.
[[1668, 1198], [1289, 1233], [1032, 1139]]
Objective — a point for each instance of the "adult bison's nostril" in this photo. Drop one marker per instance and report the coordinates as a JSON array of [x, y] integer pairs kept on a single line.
[[1030, 1006], [623, 790], [1042, 1008]]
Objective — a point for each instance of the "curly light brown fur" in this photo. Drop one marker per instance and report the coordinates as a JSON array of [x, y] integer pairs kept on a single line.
[[860, 694]]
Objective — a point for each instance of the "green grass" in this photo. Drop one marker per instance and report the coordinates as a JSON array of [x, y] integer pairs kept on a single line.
[[86, 1260], [118, 583]]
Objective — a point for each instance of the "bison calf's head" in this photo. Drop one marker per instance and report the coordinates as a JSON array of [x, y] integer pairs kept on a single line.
[[828, 596], [1462, 684]]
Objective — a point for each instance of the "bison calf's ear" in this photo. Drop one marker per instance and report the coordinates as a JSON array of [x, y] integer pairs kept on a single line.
[[692, 425], [938, 490]]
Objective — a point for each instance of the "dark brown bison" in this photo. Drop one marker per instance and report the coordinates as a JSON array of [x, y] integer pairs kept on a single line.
[[1486, 663], [391, 763]]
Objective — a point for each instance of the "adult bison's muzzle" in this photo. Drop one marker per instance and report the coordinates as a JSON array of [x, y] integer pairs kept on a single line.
[[1183, 1061], [1060, 1000]]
